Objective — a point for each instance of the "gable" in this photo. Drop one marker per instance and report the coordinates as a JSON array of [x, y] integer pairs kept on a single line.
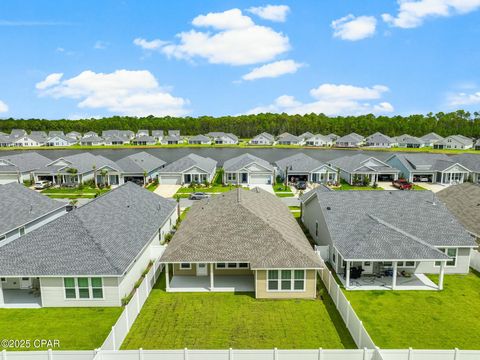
[[373, 162], [60, 162], [255, 167]]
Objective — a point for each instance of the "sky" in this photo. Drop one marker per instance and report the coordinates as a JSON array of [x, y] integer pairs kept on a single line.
[[82, 59]]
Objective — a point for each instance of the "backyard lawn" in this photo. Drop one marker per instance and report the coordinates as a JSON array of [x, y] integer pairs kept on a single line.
[[224, 320], [423, 319], [75, 328]]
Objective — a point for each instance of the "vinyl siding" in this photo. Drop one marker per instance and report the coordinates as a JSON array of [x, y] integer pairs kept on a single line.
[[193, 271], [261, 291]]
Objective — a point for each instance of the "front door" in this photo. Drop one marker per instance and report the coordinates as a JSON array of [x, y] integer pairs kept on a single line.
[[202, 269], [367, 267], [25, 283], [244, 178]]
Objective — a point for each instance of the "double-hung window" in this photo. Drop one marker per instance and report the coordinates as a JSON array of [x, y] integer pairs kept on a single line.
[[83, 288], [452, 253], [286, 280]]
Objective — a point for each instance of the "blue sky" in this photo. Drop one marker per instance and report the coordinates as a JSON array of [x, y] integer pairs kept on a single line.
[[73, 59]]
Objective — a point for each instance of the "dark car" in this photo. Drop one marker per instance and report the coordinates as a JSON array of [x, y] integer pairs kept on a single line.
[[301, 185], [402, 184], [198, 196]]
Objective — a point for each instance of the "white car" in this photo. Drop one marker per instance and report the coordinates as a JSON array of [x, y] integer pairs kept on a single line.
[[42, 184]]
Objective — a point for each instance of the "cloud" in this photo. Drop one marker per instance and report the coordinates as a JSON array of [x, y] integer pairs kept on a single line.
[[412, 13], [149, 45], [464, 99], [273, 70], [271, 12], [3, 107], [235, 40], [100, 45], [354, 28], [125, 92], [332, 99]]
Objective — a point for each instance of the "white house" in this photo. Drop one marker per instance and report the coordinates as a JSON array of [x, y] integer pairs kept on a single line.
[[20, 167], [188, 169], [319, 140], [29, 141], [60, 140], [221, 138], [380, 140], [300, 167], [454, 142], [92, 140], [263, 139], [248, 169]]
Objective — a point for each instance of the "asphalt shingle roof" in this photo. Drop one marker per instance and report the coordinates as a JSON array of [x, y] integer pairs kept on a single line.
[[239, 162], [299, 162], [241, 225], [27, 161], [83, 162], [140, 162], [102, 237], [470, 161], [359, 162], [186, 162]]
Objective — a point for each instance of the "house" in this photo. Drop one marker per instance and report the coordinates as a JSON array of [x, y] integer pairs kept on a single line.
[[454, 142], [380, 140], [433, 168], [431, 139], [350, 140], [241, 241], [462, 200], [221, 138], [319, 140], [20, 167], [29, 141], [60, 140], [116, 140], [16, 133], [90, 257], [471, 162], [92, 140], [76, 169], [263, 139], [300, 167], [305, 136], [55, 133], [42, 134], [89, 134], [172, 140], [199, 140], [140, 168], [174, 133], [247, 169], [74, 135], [408, 141], [387, 240], [144, 140], [126, 134], [141, 133], [333, 137], [477, 145], [355, 169], [24, 210], [188, 169], [158, 135], [5, 141], [289, 139]]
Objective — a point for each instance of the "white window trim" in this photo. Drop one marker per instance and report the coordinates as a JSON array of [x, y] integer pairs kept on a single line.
[[445, 250], [405, 266], [237, 266], [77, 289], [20, 231], [292, 281], [185, 268]]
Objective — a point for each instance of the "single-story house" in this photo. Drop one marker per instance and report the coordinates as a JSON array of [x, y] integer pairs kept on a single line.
[[472, 163], [221, 138], [16, 133], [173, 133], [91, 256], [157, 134], [74, 135], [354, 169], [241, 241], [300, 167], [263, 139], [89, 134], [454, 142], [188, 169], [144, 140], [380, 140], [60, 140], [141, 133], [387, 240], [289, 139], [24, 210], [140, 168], [128, 134], [463, 201], [92, 140], [247, 169], [305, 136], [433, 168], [408, 141], [319, 140], [199, 140], [116, 140], [477, 145], [333, 137], [5, 141], [350, 140], [20, 167], [431, 139], [29, 141], [172, 140]]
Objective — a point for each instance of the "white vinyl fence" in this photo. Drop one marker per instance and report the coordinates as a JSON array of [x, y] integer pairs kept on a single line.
[[475, 260]]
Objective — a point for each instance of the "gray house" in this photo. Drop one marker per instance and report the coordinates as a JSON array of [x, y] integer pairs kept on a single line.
[[471, 162], [391, 239], [188, 169], [300, 167], [111, 240], [5, 141], [221, 138], [89, 139], [140, 168], [60, 140], [289, 139], [354, 169], [454, 142], [477, 145], [431, 139], [263, 139], [350, 140], [199, 140], [380, 140], [319, 140], [247, 169], [144, 140], [20, 167], [172, 140]]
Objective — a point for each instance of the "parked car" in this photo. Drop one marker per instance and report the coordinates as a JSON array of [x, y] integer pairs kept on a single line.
[[402, 184], [198, 196], [42, 184], [301, 185], [421, 179]]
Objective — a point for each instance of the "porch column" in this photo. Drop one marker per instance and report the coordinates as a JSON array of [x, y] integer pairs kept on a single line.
[[394, 275], [347, 275], [211, 277], [167, 278], [337, 260], [1, 296], [442, 273]]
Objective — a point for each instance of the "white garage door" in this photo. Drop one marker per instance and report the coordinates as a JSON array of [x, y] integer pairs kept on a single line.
[[170, 179], [8, 178], [260, 179]]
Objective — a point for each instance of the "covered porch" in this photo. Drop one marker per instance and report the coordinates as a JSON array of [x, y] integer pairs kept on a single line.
[[17, 293]]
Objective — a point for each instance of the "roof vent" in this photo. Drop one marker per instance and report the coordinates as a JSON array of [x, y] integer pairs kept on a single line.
[[329, 208]]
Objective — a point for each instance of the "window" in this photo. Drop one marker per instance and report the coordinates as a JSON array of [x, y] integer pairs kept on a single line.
[[334, 258], [316, 228], [387, 264], [286, 280], [220, 265], [21, 231], [185, 266], [69, 284], [3, 237], [406, 264], [452, 253], [4, 280], [83, 288], [97, 288], [243, 265], [232, 265]]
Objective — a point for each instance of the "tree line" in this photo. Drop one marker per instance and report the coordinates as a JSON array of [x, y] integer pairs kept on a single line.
[[247, 126]]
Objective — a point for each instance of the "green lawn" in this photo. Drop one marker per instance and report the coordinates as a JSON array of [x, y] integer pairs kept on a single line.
[[74, 193], [347, 186], [418, 187], [152, 186], [223, 320], [423, 319], [75, 328]]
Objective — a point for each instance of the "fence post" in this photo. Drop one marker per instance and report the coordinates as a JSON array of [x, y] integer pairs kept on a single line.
[[360, 333], [113, 338], [230, 354], [146, 290], [275, 353], [410, 355], [320, 354], [50, 355], [347, 320], [338, 295], [185, 354], [329, 281], [140, 354], [98, 354], [4, 354], [127, 322], [138, 302], [364, 353], [455, 355]]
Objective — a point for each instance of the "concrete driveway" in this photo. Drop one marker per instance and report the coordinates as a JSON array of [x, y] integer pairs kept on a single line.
[[432, 187], [267, 188], [386, 185], [166, 190]]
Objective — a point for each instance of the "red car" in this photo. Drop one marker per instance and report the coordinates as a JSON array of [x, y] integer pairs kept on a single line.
[[402, 184]]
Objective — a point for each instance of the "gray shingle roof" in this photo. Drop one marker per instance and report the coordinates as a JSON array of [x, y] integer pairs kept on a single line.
[[458, 138], [241, 225], [55, 133], [201, 138], [431, 137], [299, 162], [146, 138], [419, 161], [92, 138], [186, 162], [83, 162], [27, 161], [470, 161], [352, 137], [140, 162], [379, 138], [286, 137], [21, 205], [352, 163], [266, 135], [102, 237], [463, 201], [390, 225], [239, 162]]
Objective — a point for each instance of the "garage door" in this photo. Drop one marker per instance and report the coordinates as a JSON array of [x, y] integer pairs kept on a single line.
[[170, 179], [8, 178], [260, 179]]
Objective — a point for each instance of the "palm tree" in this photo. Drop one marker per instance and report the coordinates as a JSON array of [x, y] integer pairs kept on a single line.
[[95, 175]]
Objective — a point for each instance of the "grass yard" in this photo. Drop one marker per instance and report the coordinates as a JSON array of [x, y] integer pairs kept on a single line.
[[418, 187], [223, 320], [423, 319], [282, 191], [346, 186], [152, 186], [75, 328], [74, 193]]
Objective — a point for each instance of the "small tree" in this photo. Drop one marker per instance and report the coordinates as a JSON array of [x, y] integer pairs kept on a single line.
[[366, 180]]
